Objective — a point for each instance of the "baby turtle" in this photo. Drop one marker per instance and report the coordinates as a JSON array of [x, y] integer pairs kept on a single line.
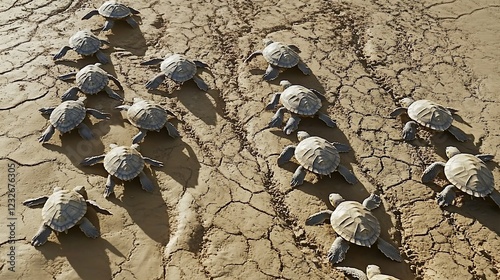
[[300, 102], [125, 163], [279, 55], [146, 116], [354, 223], [111, 11], [466, 172], [91, 79], [69, 115], [86, 44], [428, 114], [316, 155], [62, 210], [373, 272], [178, 68]]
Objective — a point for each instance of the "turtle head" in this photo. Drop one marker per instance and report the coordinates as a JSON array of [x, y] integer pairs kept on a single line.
[[267, 42], [81, 190], [372, 270], [452, 151], [135, 147], [406, 102], [335, 199], [301, 135], [285, 84]]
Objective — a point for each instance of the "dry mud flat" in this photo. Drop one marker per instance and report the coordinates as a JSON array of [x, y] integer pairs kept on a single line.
[[223, 209]]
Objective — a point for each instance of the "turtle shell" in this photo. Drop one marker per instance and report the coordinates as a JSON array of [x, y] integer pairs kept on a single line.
[[300, 100], [63, 209], [91, 79], [317, 155], [178, 68], [430, 114], [147, 115], [280, 55], [353, 222], [85, 43], [469, 174], [114, 10], [68, 115], [123, 162]]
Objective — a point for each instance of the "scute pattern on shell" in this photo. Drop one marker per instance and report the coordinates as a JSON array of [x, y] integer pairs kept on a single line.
[[469, 174], [84, 42], [178, 68], [68, 115], [91, 79], [280, 55], [355, 224], [300, 100], [123, 162], [146, 115], [430, 114], [114, 10], [317, 155], [63, 210]]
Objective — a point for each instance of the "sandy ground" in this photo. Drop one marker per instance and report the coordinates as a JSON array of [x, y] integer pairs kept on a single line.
[[222, 208]]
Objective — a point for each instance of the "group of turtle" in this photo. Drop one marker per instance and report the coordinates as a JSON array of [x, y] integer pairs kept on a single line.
[[352, 221]]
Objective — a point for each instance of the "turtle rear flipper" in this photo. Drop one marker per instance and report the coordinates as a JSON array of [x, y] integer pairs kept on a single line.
[[132, 22], [327, 120], [388, 250], [101, 57], [85, 131], [70, 94], [200, 83], [146, 183], [347, 174], [88, 228], [41, 236], [337, 251], [155, 82], [495, 196], [172, 131], [304, 68]]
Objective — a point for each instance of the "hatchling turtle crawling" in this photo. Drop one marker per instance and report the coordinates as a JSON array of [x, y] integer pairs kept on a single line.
[[146, 116], [429, 114], [86, 44], [300, 102], [124, 163], [69, 115], [316, 155], [373, 272], [91, 79], [279, 56], [178, 68], [466, 172], [62, 210], [111, 11], [354, 223]]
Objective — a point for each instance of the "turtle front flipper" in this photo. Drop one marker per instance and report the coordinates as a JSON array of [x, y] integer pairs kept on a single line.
[[388, 250], [432, 171], [115, 80], [409, 131], [85, 131], [152, 162], [146, 183], [108, 24], [90, 14], [133, 11], [372, 202], [495, 196], [41, 236], [153, 61], [172, 131], [399, 111], [69, 76], [304, 68], [70, 94], [98, 114], [46, 110], [92, 160], [341, 148], [318, 218], [35, 202], [111, 93], [139, 136], [88, 228], [274, 101], [347, 174], [272, 73], [132, 22], [62, 52], [110, 186], [200, 83], [327, 120], [292, 124], [200, 64], [458, 133], [485, 157], [277, 119], [251, 56], [446, 196], [98, 208], [337, 251], [298, 176], [47, 134], [354, 272], [155, 82], [286, 155]]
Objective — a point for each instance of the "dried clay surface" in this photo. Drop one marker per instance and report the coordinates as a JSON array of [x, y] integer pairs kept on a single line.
[[222, 208]]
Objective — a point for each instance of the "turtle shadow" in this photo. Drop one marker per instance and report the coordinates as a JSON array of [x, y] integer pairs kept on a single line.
[[130, 39], [199, 103], [87, 256]]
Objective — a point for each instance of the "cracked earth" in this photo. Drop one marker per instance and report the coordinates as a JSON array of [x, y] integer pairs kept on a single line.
[[223, 209]]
